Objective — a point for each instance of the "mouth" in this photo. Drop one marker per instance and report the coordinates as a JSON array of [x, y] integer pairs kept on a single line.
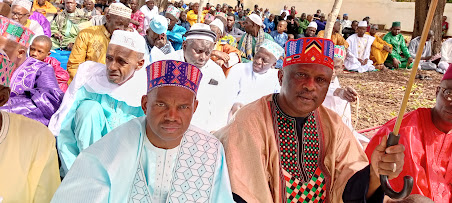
[[306, 99], [170, 128]]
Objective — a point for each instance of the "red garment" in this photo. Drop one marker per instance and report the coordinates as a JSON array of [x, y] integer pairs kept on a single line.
[[62, 75], [138, 16], [427, 155]]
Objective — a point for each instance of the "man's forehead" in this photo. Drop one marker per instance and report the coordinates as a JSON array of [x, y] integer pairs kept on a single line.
[[120, 51], [314, 69]]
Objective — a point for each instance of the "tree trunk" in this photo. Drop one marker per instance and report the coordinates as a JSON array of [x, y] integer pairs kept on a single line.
[[201, 2], [332, 18], [421, 9], [161, 4]]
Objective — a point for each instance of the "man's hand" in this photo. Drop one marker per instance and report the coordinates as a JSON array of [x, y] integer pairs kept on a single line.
[[223, 56], [58, 36], [396, 63], [70, 46], [220, 62], [41, 10], [365, 62], [387, 161], [410, 60], [348, 94], [387, 48]]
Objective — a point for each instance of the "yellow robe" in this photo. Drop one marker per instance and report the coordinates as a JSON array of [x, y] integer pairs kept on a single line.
[[90, 45], [28, 160], [48, 8], [253, 157], [336, 38], [192, 18], [377, 54]]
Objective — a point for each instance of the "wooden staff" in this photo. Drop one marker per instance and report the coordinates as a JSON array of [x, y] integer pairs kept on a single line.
[[200, 11], [394, 136], [332, 19]]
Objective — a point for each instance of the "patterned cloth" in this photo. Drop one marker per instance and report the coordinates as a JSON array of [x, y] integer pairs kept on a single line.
[[42, 20], [229, 39], [67, 25], [173, 11], [6, 68], [173, 73], [249, 44], [310, 50], [34, 91], [339, 52], [138, 16], [15, 31], [399, 50], [281, 39]]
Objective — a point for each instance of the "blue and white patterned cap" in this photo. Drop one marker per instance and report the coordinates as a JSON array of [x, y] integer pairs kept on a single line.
[[273, 48]]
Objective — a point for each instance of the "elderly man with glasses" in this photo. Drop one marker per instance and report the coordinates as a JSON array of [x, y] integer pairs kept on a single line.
[[426, 135]]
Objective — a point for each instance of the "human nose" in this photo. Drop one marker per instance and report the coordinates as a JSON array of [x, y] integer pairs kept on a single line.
[[309, 84], [171, 114]]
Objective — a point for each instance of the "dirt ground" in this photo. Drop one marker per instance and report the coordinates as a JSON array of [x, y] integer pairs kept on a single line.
[[381, 93]]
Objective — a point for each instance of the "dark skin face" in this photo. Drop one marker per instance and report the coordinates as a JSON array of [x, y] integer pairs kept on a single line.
[[156, 39], [183, 17], [355, 26], [40, 50], [361, 31], [134, 5], [169, 111], [263, 60], [337, 27], [150, 4], [122, 63], [271, 17], [231, 21], [70, 6], [197, 51], [115, 22], [4, 95], [395, 31], [345, 17], [195, 8], [444, 18], [89, 5], [217, 31], [303, 88], [303, 17], [310, 32], [282, 26], [41, 2], [373, 31], [172, 21], [19, 14], [240, 14], [309, 18], [442, 112], [251, 27]]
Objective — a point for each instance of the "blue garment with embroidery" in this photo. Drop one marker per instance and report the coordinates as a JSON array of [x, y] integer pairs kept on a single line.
[[281, 39], [269, 25]]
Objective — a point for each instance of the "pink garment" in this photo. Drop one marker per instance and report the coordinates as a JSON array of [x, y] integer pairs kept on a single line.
[[62, 75], [138, 16]]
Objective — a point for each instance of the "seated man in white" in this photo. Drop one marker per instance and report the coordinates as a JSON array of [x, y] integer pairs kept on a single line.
[[358, 52], [214, 103], [339, 98], [156, 158], [250, 81], [101, 97], [446, 56]]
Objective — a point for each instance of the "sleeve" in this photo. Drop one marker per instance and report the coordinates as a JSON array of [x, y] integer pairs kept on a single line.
[[357, 187], [222, 186], [378, 43], [404, 48], [78, 54], [141, 21], [42, 101], [393, 54], [87, 181], [412, 48], [321, 34], [45, 167], [177, 35], [350, 54], [444, 54], [51, 9], [342, 41]]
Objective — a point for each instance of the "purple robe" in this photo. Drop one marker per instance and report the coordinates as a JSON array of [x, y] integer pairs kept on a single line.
[[42, 20], [34, 91]]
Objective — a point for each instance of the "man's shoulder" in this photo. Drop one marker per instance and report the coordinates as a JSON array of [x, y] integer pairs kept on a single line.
[[22, 125], [92, 30]]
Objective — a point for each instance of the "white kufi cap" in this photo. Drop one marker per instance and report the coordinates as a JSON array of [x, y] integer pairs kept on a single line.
[[217, 22], [23, 3], [130, 40], [313, 24], [362, 24], [256, 19], [120, 10], [201, 31]]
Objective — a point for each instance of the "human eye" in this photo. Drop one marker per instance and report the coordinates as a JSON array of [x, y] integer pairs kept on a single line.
[[301, 75], [159, 104], [109, 58], [184, 107]]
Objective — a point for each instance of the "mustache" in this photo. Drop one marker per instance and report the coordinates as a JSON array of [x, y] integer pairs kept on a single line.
[[307, 94]]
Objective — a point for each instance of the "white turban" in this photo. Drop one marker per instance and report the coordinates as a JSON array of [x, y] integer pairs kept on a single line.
[[313, 24], [217, 22], [23, 3]]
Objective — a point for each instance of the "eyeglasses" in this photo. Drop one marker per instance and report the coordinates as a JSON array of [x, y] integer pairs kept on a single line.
[[447, 93], [19, 15]]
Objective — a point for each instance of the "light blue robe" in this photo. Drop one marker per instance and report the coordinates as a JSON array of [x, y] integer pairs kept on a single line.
[[91, 108], [121, 167]]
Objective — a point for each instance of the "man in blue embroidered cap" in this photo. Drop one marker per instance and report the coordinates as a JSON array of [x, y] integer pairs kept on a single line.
[[287, 147], [156, 158]]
